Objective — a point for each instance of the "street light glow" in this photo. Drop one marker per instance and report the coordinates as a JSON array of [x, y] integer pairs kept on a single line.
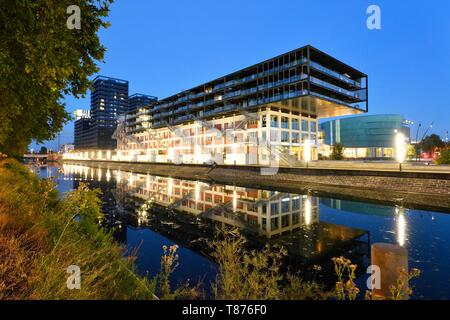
[[400, 147], [308, 211], [307, 150], [401, 226]]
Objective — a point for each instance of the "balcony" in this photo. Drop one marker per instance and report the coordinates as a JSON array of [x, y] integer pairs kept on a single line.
[[334, 74], [351, 105], [184, 118], [357, 95]]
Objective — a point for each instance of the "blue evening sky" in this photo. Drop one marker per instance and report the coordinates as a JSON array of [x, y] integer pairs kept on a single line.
[[163, 47]]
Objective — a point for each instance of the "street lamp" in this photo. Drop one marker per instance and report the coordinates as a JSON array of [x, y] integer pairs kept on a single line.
[[400, 148], [421, 139], [417, 141], [307, 151]]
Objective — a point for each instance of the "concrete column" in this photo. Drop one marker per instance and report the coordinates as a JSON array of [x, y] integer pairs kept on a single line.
[[390, 258]]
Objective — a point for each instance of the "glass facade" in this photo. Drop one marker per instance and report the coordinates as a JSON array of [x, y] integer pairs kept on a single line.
[[306, 77], [263, 113], [365, 136], [109, 99]]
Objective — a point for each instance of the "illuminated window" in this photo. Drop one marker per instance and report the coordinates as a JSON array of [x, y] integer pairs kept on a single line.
[[304, 125], [274, 121]]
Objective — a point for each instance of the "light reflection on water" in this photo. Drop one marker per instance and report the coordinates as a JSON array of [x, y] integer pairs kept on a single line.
[[155, 211]]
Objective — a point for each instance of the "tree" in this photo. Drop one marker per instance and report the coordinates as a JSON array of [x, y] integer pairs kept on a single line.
[[43, 150], [411, 151], [338, 152], [41, 60], [431, 143], [444, 157]]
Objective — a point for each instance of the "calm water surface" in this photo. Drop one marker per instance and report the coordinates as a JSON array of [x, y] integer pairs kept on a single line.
[[148, 212]]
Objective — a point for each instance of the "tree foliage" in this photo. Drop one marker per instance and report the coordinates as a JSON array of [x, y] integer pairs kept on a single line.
[[431, 143], [444, 157], [338, 152], [41, 60]]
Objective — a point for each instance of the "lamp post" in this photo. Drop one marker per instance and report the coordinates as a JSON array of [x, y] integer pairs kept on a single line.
[[307, 151], [400, 148], [426, 131], [417, 142]]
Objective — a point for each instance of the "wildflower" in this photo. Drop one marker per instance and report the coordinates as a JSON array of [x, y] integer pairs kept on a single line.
[[415, 272]]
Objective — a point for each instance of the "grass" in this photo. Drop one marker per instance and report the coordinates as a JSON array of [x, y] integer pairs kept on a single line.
[[42, 235], [255, 275]]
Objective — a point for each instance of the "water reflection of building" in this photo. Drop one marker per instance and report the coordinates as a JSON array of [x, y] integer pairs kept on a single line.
[[270, 213], [291, 220], [98, 178], [372, 209], [188, 212]]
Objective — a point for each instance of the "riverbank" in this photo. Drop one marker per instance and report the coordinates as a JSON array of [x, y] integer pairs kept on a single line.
[[420, 190], [54, 248], [45, 241]]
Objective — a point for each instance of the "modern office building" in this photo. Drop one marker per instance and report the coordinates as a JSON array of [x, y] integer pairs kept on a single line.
[[109, 99], [259, 115], [263, 113], [94, 129], [368, 136], [138, 117], [81, 128], [138, 100], [82, 134]]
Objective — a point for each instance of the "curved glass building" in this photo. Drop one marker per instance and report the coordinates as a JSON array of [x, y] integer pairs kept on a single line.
[[368, 136]]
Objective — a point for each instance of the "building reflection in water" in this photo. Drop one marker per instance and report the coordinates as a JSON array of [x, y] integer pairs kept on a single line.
[[400, 227], [186, 211]]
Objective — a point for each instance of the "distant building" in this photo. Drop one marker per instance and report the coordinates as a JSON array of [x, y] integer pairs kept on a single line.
[[81, 113], [94, 128], [138, 100], [82, 126], [109, 98], [138, 117], [368, 136], [67, 147]]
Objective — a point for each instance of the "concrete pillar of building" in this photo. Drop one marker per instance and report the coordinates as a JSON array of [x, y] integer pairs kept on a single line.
[[390, 258]]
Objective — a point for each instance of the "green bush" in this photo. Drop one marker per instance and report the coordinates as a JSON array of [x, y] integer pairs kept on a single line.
[[444, 158], [42, 235], [256, 275], [337, 152]]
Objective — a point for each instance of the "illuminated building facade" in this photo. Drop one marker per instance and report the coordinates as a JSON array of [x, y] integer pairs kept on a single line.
[[368, 136], [255, 115], [188, 209], [259, 115]]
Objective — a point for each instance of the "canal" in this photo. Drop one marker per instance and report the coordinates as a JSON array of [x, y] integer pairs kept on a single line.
[[146, 212]]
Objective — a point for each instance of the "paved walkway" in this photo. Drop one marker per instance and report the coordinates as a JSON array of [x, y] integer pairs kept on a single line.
[[379, 166]]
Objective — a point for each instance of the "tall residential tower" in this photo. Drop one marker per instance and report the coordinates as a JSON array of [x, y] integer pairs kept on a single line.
[[109, 99]]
